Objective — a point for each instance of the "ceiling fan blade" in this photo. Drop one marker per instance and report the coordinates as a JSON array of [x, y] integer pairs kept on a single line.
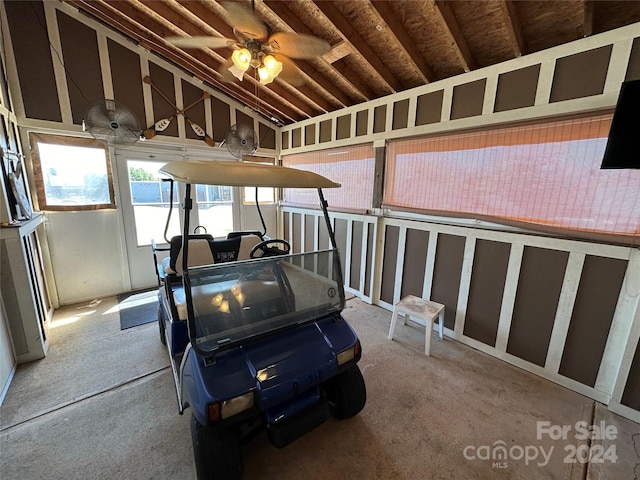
[[297, 45], [244, 22], [201, 42], [290, 71]]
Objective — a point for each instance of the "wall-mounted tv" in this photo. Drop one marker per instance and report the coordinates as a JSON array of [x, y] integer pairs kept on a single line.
[[623, 145]]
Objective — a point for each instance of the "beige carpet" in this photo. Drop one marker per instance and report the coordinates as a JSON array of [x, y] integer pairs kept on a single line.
[[102, 406]]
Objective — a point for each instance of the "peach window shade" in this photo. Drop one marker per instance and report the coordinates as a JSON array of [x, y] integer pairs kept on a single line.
[[353, 167], [545, 176]]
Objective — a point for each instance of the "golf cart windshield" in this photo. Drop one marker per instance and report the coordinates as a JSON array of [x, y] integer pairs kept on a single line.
[[239, 300], [226, 303]]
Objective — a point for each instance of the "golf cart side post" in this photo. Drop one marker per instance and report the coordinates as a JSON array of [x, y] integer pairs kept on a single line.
[[267, 346]]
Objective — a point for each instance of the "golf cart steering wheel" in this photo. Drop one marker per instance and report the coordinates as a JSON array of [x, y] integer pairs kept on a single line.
[[268, 251]]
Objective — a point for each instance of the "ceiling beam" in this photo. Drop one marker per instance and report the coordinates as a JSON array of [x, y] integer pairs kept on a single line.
[[403, 40], [351, 36], [196, 11], [197, 64], [162, 19], [588, 7], [337, 52], [318, 69], [206, 16], [448, 20], [514, 31]]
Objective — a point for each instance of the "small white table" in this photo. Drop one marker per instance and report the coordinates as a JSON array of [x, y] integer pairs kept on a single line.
[[412, 306]]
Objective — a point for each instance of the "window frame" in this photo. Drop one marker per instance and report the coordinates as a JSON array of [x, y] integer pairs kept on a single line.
[[36, 138]]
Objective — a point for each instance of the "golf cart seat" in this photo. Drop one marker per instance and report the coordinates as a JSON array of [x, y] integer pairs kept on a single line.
[[205, 250], [248, 240], [199, 253]]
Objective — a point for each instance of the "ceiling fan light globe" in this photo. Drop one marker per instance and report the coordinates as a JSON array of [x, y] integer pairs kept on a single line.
[[265, 76], [273, 66], [237, 72], [241, 59]]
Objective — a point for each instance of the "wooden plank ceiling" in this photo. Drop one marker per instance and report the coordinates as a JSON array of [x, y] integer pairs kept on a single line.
[[377, 47]]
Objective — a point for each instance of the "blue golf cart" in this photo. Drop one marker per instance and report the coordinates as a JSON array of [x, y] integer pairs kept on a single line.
[[255, 335]]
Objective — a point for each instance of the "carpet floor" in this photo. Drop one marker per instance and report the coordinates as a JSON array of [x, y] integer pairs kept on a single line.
[[102, 405]]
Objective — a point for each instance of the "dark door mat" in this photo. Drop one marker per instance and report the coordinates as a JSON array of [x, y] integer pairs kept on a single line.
[[138, 308]]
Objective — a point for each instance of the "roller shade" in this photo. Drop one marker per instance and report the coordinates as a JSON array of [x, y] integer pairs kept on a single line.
[[544, 176], [353, 167]]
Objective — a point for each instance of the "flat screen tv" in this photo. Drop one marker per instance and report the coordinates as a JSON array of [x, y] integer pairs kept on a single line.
[[623, 144]]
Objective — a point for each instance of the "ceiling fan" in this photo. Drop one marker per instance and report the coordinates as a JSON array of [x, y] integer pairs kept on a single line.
[[256, 46]]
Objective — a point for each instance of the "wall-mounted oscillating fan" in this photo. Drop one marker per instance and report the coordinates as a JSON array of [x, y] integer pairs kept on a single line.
[[112, 122], [241, 140]]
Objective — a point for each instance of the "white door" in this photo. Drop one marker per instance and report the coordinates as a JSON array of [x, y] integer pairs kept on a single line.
[[144, 203]]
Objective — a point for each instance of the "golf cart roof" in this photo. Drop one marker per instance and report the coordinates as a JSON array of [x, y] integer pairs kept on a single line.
[[241, 174]]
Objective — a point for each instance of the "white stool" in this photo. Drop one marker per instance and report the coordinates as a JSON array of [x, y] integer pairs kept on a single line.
[[411, 306]]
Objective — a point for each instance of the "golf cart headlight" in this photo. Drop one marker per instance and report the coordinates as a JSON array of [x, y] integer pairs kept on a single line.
[[348, 354], [235, 405]]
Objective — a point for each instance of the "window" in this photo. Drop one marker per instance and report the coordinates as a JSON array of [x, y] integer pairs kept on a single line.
[[265, 195], [150, 201], [544, 176], [215, 209], [353, 167], [71, 173]]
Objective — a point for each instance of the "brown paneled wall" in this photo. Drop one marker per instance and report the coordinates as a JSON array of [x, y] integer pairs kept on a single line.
[[80, 50], [400, 114], [126, 77], [542, 304], [161, 108], [296, 236], [82, 65], [517, 89], [429, 108], [485, 293], [309, 134], [446, 275], [296, 137], [343, 127], [414, 262], [631, 395], [369, 264], [325, 131], [574, 75], [596, 300], [379, 119], [468, 99], [267, 137], [221, 113], [243, 118], [389, 263], [539, 285], [570, 79], [30, 40], [190, 94], [362, 119], [340, 229], [356, 255]]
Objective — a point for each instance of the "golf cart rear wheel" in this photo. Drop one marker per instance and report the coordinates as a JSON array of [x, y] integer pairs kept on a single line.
[[217, 452], [346, 393], [163, 338]]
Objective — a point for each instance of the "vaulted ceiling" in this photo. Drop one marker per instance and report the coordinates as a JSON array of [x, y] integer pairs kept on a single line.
[[377, 47]]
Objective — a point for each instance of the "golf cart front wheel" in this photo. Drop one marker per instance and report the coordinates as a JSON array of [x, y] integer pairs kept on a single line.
[[346, 393], [217, 452]]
